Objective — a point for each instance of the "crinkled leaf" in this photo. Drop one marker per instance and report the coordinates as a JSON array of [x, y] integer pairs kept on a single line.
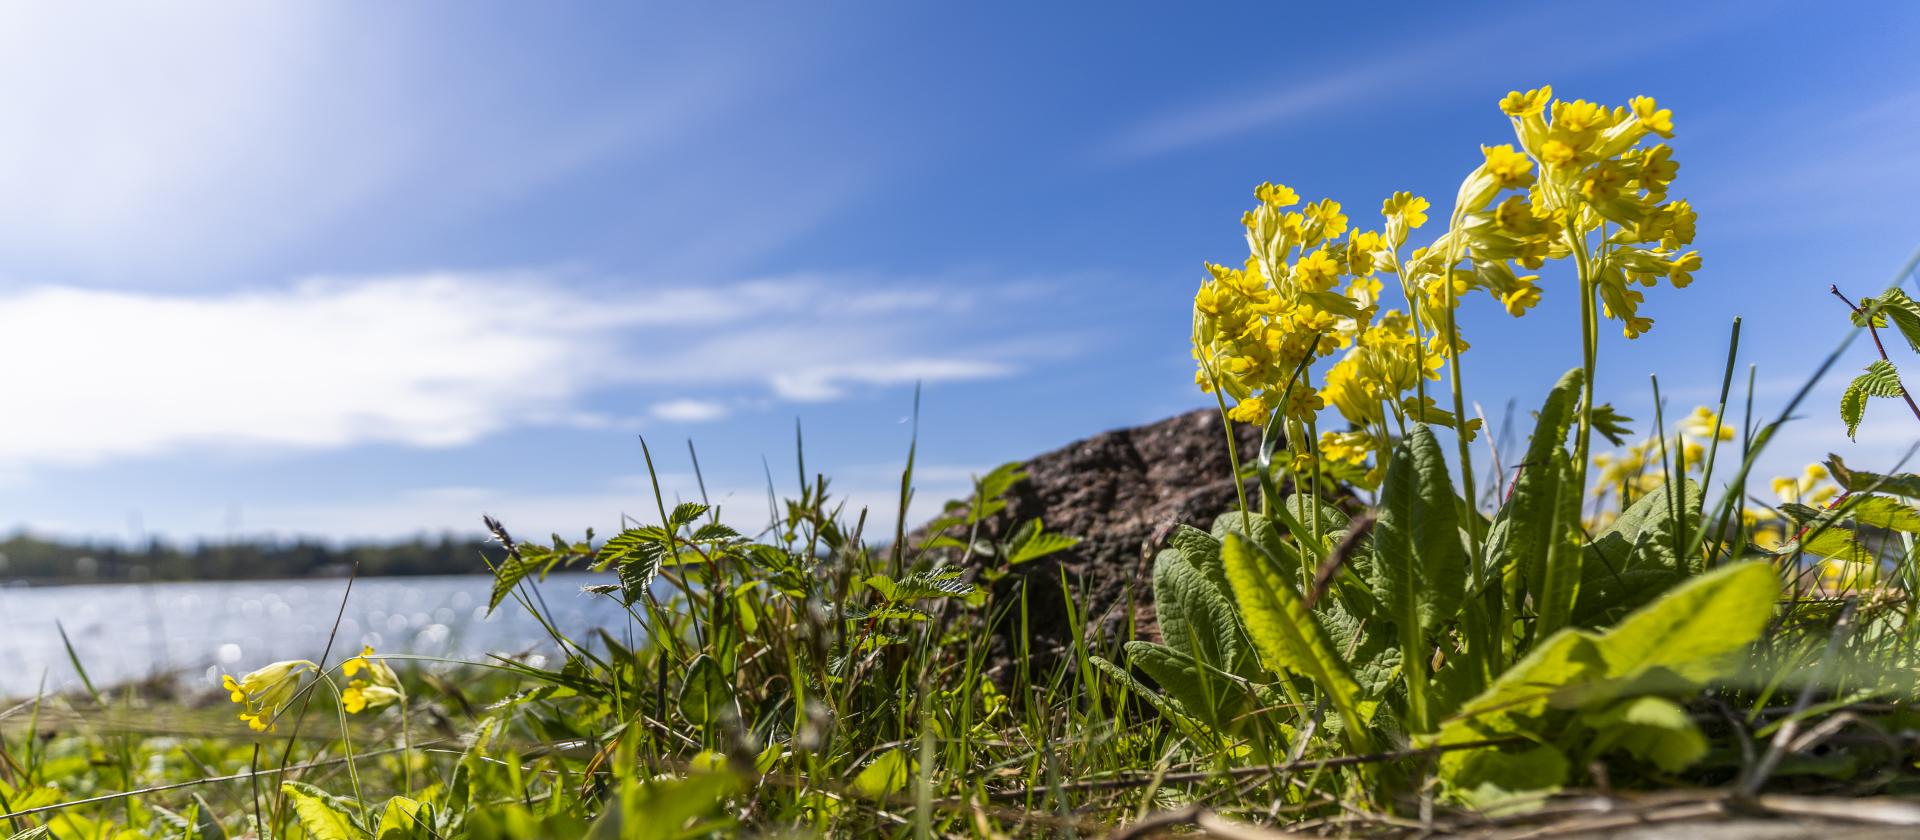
[[323, 815], [1420, 565], [1634, 559]]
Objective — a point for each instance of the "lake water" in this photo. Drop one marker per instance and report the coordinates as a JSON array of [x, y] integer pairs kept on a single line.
[[123, 632]]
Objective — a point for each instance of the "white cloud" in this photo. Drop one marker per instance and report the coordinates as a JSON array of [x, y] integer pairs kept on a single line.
[[431, 360], [690, 411], [532, 515]]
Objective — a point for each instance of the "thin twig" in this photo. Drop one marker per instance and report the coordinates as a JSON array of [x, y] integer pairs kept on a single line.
[[1875, 332]]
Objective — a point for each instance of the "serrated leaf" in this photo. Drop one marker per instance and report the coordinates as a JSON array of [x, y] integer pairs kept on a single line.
[[1893, 305], [1287, 635], [1037, 543], [1196, 617], [1207, 696], [1880, 380], [1883, 512], [323, 815], [683, 515], [1906, 485], [1538, 534]]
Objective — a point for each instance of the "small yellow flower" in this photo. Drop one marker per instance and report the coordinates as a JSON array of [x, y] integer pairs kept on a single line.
[[1276, 195], [1529, 104], [353, 666], [1406, 206], [1507, 167], [1652, 117], [1521, 299]]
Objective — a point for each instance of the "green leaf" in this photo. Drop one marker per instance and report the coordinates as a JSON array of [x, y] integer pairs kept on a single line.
[[1168, 708], [937, 582], [1541, 538], [1287, 635], [1555, 418], [1905, 485], [1653, 729], [1685, 639], [1691, 632], [1883, 512], [323, 815], [1485, 779], [636, 554], [1196, 617], [684, 514], [885, 775], [1420, 565], [705, 692], [1880, 380], [1206, 695], [404, 819], [1634, 559]]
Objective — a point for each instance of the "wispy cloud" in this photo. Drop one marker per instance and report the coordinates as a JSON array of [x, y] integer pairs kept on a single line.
[[690, 411], [438, 360]]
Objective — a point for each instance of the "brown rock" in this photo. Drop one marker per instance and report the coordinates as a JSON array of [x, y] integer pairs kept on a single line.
[[1120, 492]]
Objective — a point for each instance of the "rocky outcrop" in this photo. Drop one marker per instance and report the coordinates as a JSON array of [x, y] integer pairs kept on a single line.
[[1120, 492]]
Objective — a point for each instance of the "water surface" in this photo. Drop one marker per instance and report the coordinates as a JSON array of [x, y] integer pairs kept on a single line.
[[126, 631]]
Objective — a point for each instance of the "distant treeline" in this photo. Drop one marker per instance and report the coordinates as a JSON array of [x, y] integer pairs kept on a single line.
[[30, 559]]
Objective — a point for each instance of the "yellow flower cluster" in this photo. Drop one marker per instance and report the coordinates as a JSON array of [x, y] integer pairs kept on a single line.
[[262, 694], [265, 693], [1303, 293], [379, 689], [1813, 487], [1638, 471], [1596, 179]]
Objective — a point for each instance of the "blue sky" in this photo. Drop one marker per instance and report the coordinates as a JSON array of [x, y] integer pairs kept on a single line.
[[367, 270]]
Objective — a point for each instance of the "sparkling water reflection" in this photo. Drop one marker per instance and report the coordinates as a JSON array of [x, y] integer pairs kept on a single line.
[[124, 632]]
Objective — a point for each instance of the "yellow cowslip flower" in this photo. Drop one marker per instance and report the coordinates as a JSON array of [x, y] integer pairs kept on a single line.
[[1250, 409], [1508, 168], [381, 687], [1346, 447], [1407, 206], [1316, 272], [265, 691], [1680, 270], [1529, 104], [1786, 488], [1557, 153], [1703, 423], [1522, 298], [1651, 116], [1324, 221], [1276, 195]]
